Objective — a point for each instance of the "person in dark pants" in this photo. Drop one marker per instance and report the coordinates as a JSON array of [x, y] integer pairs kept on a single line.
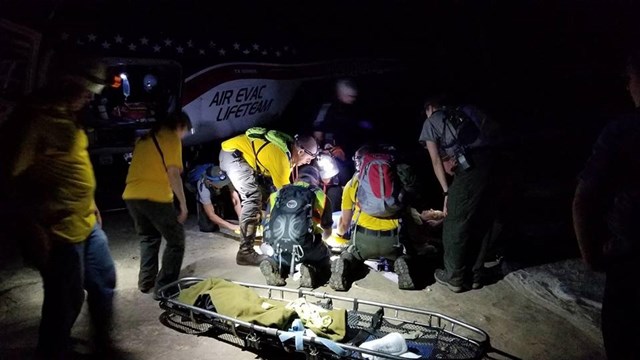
[[49, 179], [153, 180], [247, 161], [606, 209], [468, 202]]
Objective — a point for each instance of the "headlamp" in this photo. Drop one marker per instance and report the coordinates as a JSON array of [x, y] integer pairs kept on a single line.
[[327, 165]]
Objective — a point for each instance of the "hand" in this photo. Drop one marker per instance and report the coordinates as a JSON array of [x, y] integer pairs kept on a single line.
[[234, 227], [182, 216], [449, 165], [338, 153], [444, 206], [431, 214]]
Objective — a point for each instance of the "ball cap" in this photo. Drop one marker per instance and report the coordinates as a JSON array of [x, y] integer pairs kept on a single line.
[[90, 73], [217, 176]]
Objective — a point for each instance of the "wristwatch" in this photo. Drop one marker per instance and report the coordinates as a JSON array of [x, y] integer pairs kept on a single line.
[[445, 193]]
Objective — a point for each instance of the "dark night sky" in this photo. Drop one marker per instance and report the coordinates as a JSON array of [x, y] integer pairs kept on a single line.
[[529, 54]]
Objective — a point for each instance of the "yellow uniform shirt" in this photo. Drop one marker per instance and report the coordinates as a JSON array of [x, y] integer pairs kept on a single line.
[[147, 178], [364, 220], [53, 154], [273, 162]]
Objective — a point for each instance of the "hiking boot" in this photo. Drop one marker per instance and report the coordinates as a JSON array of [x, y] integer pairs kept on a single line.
[[145, 289], [338, 280], [401, 268], [249, 257], [271, 275], [441, 278], [477, 281], [307, 274]]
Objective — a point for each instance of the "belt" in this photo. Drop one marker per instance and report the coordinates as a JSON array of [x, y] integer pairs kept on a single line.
[[364, 230]]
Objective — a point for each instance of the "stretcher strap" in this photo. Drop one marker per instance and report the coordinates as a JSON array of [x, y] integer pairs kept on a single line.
[[297, 331]]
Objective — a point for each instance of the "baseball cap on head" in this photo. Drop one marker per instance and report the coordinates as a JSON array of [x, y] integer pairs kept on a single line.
[[89, 73], [217, 176], [93, 76]]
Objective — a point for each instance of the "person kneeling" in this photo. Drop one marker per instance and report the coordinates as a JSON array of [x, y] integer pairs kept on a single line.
[[298, 220], [213, 192], [372, 236]]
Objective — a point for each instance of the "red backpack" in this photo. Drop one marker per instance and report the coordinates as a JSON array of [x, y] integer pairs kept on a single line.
[[379, 191]]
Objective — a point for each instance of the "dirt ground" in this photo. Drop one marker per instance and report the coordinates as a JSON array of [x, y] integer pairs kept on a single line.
[[519, 325]]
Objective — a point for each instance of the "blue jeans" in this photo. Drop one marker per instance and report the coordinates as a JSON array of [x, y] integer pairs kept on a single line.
[[72, 269]]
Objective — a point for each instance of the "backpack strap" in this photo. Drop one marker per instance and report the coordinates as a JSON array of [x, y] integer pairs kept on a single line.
[[155, 141], [255, 154]]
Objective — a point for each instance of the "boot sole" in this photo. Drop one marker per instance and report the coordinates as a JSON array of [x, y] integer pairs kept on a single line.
[[270, 276], [405, 282], [337, 281], [306, 277]]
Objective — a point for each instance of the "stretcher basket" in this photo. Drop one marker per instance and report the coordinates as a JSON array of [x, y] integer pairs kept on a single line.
[[431, 334]]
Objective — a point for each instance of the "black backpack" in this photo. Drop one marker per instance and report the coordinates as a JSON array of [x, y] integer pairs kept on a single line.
[[465, 128], [290, 226]]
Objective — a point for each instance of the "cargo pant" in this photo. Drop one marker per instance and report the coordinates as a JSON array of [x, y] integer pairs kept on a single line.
[[466, 229], [372, 244], [153, 221], [243, 178]]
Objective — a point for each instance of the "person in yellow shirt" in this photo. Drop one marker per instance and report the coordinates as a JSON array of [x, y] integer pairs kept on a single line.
[[152, 182], [48, 180], [245, 160], [371, 237]]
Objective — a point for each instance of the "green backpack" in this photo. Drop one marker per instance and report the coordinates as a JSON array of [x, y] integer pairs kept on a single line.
[[278, 138]]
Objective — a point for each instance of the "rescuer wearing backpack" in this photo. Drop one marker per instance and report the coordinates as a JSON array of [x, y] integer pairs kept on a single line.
[[298, 220], [214, 193], [372, 203], [464, 138], [248, 159]]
